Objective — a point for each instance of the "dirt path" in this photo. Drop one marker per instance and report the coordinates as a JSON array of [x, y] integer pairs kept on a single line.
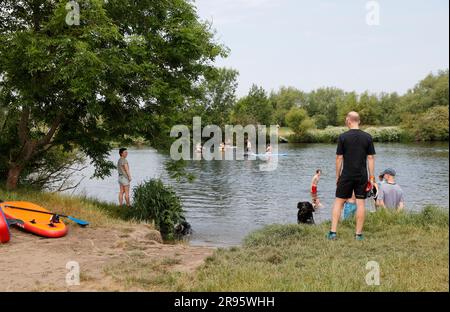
[[126, 258]]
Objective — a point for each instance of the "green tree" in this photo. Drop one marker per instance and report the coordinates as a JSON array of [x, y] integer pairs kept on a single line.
[[324, 102], [125, 70], [433, 125], [218, 98], [369, 109], [299, 121], [253, 109], [389, 104], [345, 105], [365, 104], [430, 92], [283, 100], [321, 121]]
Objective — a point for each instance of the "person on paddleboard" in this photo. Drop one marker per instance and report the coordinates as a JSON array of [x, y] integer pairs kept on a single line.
[[355, 156], [249, 146], [123, 169]]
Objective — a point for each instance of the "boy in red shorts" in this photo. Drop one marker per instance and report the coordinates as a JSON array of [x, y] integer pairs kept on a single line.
[[314, 184]]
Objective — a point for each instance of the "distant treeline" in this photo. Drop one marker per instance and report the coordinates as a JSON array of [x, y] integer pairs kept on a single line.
[[421, 114]]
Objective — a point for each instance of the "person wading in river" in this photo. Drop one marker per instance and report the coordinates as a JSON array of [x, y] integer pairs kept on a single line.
[[355, 155], [124, 177], [314, 193]]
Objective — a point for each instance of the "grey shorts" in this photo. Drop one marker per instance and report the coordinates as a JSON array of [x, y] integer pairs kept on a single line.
[[123, 181]]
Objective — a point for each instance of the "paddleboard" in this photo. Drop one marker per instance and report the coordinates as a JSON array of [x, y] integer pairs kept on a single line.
[[4, 228], [34, 222], [268, 155]]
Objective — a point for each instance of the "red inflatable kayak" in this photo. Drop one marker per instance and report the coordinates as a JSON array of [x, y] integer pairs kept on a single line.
[[4, 229]]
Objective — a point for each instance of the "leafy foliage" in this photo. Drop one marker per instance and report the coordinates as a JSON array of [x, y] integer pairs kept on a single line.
[[253, 109], [298, 120], [155, 202], [125, 70], [324, 101], [283, 101], [433, 125], [422, 111]]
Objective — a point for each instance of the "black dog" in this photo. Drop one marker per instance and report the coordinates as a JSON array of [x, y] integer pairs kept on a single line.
[[183, 228], [305, 213]]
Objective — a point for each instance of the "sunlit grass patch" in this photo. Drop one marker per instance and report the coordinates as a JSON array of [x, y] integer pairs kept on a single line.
[[410, 248]]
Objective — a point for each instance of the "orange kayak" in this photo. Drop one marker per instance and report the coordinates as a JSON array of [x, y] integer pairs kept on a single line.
[[4, 228], [32, 221]]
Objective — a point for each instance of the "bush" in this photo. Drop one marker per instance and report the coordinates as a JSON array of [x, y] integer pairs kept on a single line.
[[297, 119], [386, 134], [429, 126], [328, 135], [321, 121], [155, 202], [331, 135]]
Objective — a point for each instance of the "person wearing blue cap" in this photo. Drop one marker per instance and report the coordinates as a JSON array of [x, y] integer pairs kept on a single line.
[[390, 194]]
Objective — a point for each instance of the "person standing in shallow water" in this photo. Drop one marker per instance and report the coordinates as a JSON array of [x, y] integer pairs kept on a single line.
[[123, 169], [314, 193]]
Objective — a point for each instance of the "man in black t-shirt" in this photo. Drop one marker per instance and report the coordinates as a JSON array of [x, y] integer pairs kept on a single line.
[[356, 153]]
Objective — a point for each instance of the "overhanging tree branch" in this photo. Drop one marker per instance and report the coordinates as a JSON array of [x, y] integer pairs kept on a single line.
[[23, 126], [51, 132]]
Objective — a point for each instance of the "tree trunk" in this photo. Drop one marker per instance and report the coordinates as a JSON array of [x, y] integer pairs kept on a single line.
[[29, 147], [13, 176]]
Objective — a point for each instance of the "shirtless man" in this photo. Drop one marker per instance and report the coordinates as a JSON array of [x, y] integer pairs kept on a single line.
[[314, 183]]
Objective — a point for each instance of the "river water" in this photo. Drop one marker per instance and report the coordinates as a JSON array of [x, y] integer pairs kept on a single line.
[[229, 199]]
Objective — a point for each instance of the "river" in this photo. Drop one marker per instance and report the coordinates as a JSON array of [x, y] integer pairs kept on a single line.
[[229, 199]]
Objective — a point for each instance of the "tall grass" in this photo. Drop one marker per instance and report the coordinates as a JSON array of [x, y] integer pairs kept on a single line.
[[387, 134], [96, 212], [331, 134], [412, 250]]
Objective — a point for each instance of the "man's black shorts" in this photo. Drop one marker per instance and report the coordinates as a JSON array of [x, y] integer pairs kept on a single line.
[[346, 186]]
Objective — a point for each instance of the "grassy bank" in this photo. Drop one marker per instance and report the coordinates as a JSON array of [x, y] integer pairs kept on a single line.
[[411, 249], [96, 212], [331, 134]]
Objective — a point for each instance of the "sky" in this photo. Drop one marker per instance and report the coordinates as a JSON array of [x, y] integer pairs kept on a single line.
[[310, 44]]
